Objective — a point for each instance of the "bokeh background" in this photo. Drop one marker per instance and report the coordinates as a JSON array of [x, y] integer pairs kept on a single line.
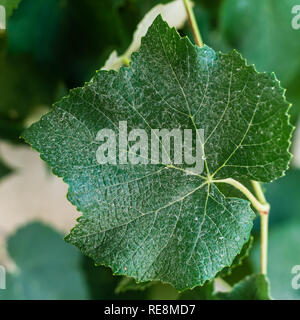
[[51, 46]]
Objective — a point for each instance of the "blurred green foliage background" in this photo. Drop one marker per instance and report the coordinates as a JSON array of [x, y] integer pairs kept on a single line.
[[51, 46]]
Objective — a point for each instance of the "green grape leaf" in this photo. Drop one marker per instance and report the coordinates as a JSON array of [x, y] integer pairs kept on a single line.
[[10, 6], [238, 260], [154, 221], [46, 267], [254, 287]]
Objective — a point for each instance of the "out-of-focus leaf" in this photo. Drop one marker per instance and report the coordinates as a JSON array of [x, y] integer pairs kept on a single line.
[[262, 31], [128, 287], [10, 6], [129, 284], [293, 96], [254, 287], [283, 195], [117, 3], [47, 267], [35, 29], [23, 87], [91, 30], [173, 13], [162, 291], [11, 130], [284, 237], [102, 284], [204, 292], [240, 272], [283, 255]]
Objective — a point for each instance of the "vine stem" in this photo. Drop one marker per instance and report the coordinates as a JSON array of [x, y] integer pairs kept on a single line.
[[193, 23], [264, 222]]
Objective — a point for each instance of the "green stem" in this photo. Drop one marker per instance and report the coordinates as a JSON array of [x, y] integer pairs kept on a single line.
[[258, 190], [258, 205], [264, 221], [193, 23]]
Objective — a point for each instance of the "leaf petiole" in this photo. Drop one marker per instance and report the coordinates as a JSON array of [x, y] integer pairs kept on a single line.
[[193, 23], [261, 207]]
